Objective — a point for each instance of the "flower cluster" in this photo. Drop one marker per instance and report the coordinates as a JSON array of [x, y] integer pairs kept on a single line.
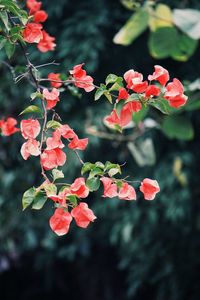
[[33, 31], [139, 92]]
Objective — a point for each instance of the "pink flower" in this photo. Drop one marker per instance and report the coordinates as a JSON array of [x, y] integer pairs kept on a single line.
[[149, 188], [110, 188], [127, 192], [40, 16], [123, 94], [32, 33], [82, 80], [67, 132], [52, 97], [7, 126], [54, 141], [174, 94], [134, 81], [31, 147], [46, 43], [56, 77], [33, 5], [61, 197], [30, 128], [51, 159], [60, 221], [78, 144], [83, 215], [79, 188], [122, 120], [133, 106], [152, 90], [160, 74]]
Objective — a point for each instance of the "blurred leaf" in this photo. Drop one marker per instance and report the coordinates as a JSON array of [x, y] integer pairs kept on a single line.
[[86, 167], [10, 49], [133, 28], [57, 174], [160, 17], [140, 115], [162, 42], [188, 20], [2, 41], [178, 127], [4, 18], [53, 124], [185, 48], [143, 152], [31, 109]]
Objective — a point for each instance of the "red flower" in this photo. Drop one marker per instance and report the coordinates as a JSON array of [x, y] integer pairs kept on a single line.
[[160, 74], [61, 197], [30, 128], [8, 126], [123, 94], [82, 80], [60, 221], [134, 106], [110, 188], [174, 94], [152, 90], [54, 141], [51, 97], [134, 81], [78, 144], [40, 16], [46, 43], [149, 188], [33, 5], [32, 33], [55, 76], [31, 147], [51, 159], [79, 188], [127, 192], [83, 215]]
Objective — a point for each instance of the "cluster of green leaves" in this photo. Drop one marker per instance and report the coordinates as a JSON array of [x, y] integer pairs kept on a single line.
[[10, 35], [173, 34]]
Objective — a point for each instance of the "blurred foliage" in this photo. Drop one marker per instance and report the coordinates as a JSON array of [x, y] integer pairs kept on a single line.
[[138, 250]]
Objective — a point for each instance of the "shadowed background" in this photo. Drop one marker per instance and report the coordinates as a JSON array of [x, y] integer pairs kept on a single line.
[[134, 250]]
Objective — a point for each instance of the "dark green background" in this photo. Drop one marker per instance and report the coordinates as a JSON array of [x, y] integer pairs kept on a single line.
[[135, 250]]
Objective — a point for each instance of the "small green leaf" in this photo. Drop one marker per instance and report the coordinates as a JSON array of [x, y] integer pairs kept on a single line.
[[2, 41], [50, 189], [162, 105], [57, 174], [133, 28], [39, 200], [117, 85], [72, 199], [139, 116], [31, 109], [10, 49], [4, 18], [53, 124], [28, 197], [95, 171], [93, 183], [36, 95], [100, 92], [86, 167], [112, 172], [99, 164], [113, 168], [111, 78]]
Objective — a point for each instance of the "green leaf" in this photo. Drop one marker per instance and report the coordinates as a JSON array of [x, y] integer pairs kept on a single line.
[[185, 48], [93, 183], [4, 18], [112, 169], [53, 124], [86, 167], [28, 197], [139, 116], [111, 78], [163, 42], [133, 28], [95, 171], [39, 200], [57, 174], [10, 49], [2, 41], [178, 127], [112, 172], [99, 164], [100, 92], [36, 95], [72, 199], [188, 20], [160, 17], [117, 85], [162, 105], [50, 189], [31, 109]]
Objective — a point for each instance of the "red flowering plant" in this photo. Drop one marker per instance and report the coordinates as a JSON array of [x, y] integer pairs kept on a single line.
[[50, 140]]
